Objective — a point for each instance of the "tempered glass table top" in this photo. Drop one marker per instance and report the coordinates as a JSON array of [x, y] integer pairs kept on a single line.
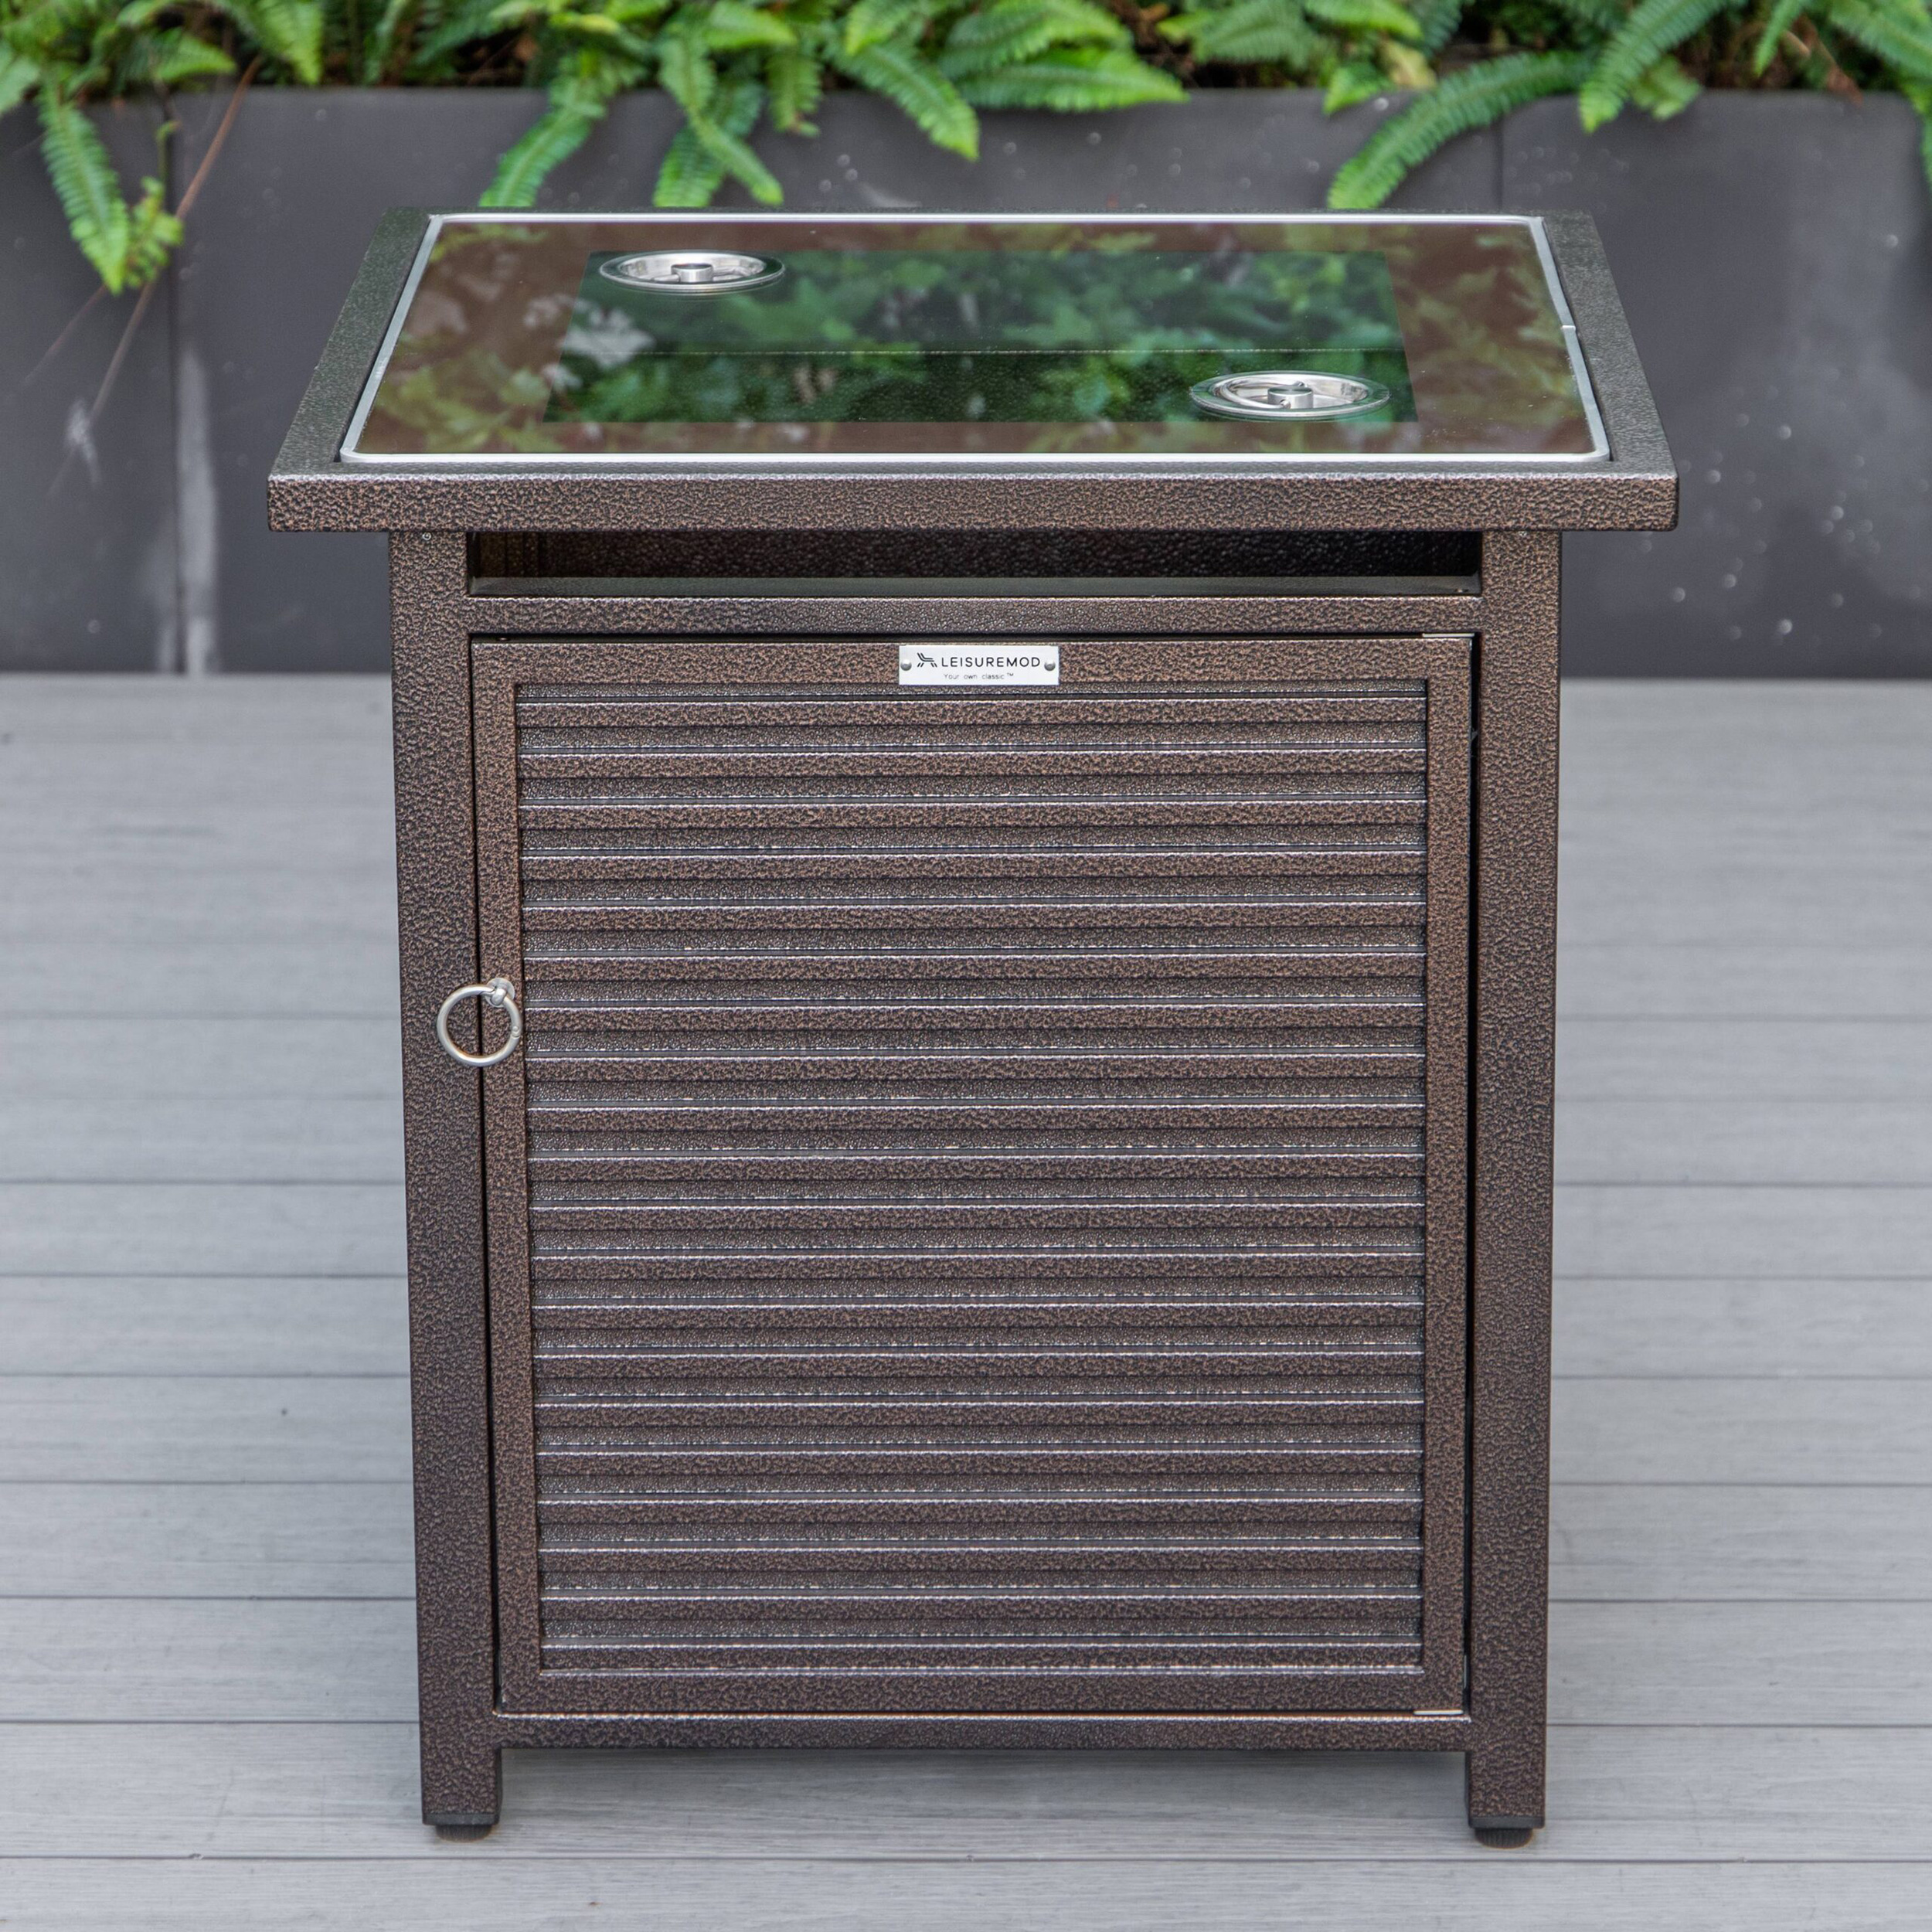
[[624, 339]]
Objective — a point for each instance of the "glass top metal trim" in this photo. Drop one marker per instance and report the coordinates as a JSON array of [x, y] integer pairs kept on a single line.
[[944, 460]]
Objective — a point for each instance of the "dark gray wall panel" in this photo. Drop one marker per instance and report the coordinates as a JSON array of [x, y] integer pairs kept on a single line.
[[1774, 256], [87, 513], [273, 245]]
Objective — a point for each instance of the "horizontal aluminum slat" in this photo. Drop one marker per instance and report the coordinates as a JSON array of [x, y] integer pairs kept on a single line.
[[608, 710], [880, 1508], [935, 1415], [1385, 800], [1388, 952], [1243, 1658], [574, 1550], [1193, 1054], [596, 860], [589, 1112], [725, 1613], [545, 774], [973, 919], [554, 1220], [613, 1159], [646, 1309], [644, 1006], [598, 1481]]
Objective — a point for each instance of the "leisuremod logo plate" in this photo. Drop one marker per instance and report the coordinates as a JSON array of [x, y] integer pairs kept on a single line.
[[979, 664]]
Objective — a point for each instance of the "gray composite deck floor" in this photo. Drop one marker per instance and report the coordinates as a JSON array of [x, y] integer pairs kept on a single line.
[[205, 1667]]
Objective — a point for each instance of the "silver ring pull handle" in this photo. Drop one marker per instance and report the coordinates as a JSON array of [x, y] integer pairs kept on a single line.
[[498, 993]]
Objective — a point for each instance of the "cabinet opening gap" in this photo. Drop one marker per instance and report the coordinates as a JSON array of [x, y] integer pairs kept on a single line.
[[1038, 563]]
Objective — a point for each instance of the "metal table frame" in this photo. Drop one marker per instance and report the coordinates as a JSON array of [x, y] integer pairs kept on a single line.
[[439, 607]]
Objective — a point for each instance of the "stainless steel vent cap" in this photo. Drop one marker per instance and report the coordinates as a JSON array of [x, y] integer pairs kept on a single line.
[[1288, 394], [693, 271]]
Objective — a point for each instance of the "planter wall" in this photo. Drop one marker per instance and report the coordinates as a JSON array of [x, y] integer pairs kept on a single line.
[[1772, 252], [88, 548]]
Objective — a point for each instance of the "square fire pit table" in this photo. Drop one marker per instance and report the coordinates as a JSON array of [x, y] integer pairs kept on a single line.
[[977, 818]]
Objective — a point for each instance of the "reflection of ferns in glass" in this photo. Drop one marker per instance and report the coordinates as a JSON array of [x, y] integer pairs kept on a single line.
[[892, 336], [883, 386]]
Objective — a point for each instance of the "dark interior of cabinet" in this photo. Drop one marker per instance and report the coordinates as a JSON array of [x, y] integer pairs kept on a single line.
[[1095, 562]]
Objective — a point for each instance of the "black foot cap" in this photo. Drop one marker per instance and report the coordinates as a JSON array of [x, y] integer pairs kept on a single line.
[[1503, 1838], [463, 1830]]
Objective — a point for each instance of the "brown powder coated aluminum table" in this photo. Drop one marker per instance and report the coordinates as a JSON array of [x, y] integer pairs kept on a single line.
[[977, 831]]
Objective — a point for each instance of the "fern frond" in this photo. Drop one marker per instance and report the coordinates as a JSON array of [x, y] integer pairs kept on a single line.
[[1352, 82], [920, 91], [154, 233], [1651, 32], [1664, 90], [1011, 31], [1601, 17], [473, 20], [723, 135], [1367, 16], [1438, 20], [1919, 95], [730, 26], [18, 77], [608, 36], [684, 69], [176, 56], [288, 31], [561, 129], [89, 189], [1408, 67], [700, 155], [51, 29], [872, 22], [380, 49], [688, 175], [1897, 31], [1251, 30], [795, 78], [1464, 101], [132, 17], [1075, 80], [1777, 23]]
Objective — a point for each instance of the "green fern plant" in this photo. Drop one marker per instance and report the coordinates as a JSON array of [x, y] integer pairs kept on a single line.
[[734, 66], [1898, 31], [1471, 98], [1246, 32], [61, 53], [1634, 48], [1614, 53], [1067, 55]]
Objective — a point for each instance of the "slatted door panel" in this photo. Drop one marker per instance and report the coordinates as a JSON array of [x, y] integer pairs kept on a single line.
[[976, 1222]]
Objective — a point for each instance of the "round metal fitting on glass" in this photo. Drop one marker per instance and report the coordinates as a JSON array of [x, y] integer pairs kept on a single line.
[[693, 271], [498, 993], [1288, 394]]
